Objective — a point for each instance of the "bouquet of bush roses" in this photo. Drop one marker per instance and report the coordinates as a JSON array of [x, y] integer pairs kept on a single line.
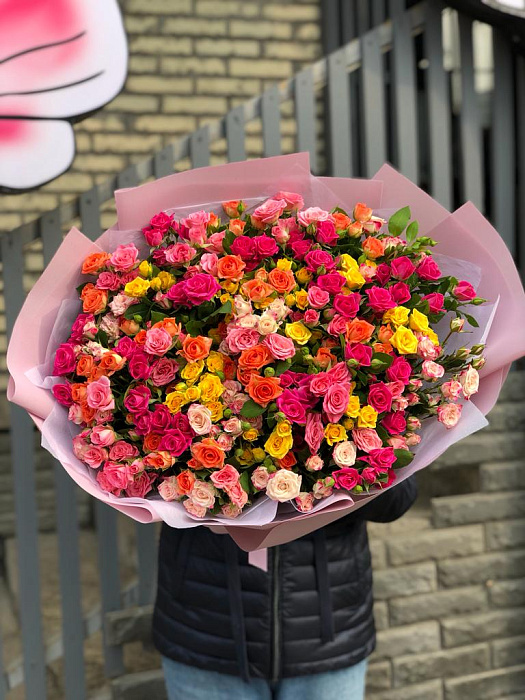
[[297, 349]]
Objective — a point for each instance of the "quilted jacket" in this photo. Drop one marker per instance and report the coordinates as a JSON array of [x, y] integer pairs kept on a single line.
[[310, 613]]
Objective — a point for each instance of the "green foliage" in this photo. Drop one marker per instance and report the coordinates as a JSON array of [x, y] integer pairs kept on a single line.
[[252, 409], [404, 457], [412, 232], [398, 221]]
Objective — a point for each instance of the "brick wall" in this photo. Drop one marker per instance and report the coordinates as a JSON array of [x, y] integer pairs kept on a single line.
[[190, 61]]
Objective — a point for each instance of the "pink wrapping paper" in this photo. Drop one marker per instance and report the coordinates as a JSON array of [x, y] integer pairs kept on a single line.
[[464, 233]]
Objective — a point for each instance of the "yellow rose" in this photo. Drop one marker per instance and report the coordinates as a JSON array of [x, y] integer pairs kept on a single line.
[[348, 423], [354, 279], [246, 456], [192, 393], [215, 361], [145, 268], [155, 284], [191, 372], [289, 300], [347, 262], [230, 286], [404, 341], [432, 335], [398, 316], [137, 287], [418, 321], [353, 407], [211, 387], [250, 434], [259, 454], [181, 387], [283, 428], [301, 299], [216, 409], [278, 446], [367, 417], [303, 276], [334, 432], [283, 264], [174, 401], [298, 333], [167, 280]]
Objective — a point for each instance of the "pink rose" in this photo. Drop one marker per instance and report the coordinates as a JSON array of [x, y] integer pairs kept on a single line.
[[137, 399], [432, 370], [139, 366], [413, 439], [225, 477], [426, 348], [380, 397], [413, 423], [359, 352], [381, 459], [366, 439], [469, 380], [268, 212], [311, 317], [124, 257], [396, 388], [400, 292], [312, 215], [380, 299], [214, 243], [401, 268], [368, 474], [209, 263], [344, 453], [230, 510], [346, 478], [304, 502], [337, 326], [74, 414], [428, 269], [260, 477], [62, 393], [161, 418], [281, 347], [94, 455], [326, 233], [336, 401], [320, 383], [239, 339], [200, 288], [317, 297], [314, 463], [449, 414], [399, 370], [314, 432], [180, 253], [158, 341], [339, 373], [464, 291], [194, 509], [163, 371], [102, 435], [347, 304], [65, 360], [293, 200], [115, 475], [140, 486], [398, 442], [169, 488], [99, 395], [265, 246], [319, 258], [153, 236], [323, 487], [394, 422], [237, 494], [199, 417], [122, 451], [383, 273], [108, 280], [435, 302], [78, 327]]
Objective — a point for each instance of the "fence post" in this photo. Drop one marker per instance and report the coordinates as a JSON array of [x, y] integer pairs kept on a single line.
[[305, 115], [339, 115], [200, 147], [235, 134], [373, 102], [271, 121]]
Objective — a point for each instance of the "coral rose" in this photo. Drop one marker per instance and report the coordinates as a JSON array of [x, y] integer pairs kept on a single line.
[[94, 263], [94, 300], [255, 357], [257, 290], [208, 454], [263, 390], [359, 331], [197, 348], [231, 267], [283, 281]]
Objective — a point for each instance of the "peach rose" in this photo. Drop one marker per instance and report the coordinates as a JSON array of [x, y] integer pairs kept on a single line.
[[236, 226], [344, 454], [257, 290], [449, 414], [469, 380], [341, 221], [362, 213], [85, 364], [283, 281], [159, 460], [168, 489], [359, 331], [203, 494], [197, 348], [284, 485], [374, 248], [194, 509], [260, 477], [111, 362], [170, 325]]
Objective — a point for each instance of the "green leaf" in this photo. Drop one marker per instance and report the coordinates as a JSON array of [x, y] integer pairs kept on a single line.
[[404, 457], [102, 337], [193, 327], [412, 232], [471, 320], [140, 309], [157, 316], [252, 409], [245, 481], [281, 367], [227, 241], [398, 221]]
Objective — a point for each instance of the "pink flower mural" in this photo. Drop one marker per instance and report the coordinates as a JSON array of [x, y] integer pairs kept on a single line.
[[60, 60]]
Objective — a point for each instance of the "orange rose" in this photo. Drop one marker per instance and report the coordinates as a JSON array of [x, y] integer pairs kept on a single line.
[[79, 392], [358, 331], [255, 358], [236, 226], [96, 373], [288, 461], [264, 389], [185, 481], [231, 207], [140, 337], [257, 290], [243, 375], [362, 213], [214, 220], [159, 460], [194, 349], [261, 274], [231, 267], [355, 229], [128, 326], [383, 347], [229, 368], [373, 247], [85, 364], [169, 325], [283, 281], [111, 362], [384, 334], [341, 221], [151, 442], [324, 358], [88, 413], [208, 454], [94, 263], [94, 300]]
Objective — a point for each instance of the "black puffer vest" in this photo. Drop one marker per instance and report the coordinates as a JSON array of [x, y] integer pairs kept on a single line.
[[310, 613]]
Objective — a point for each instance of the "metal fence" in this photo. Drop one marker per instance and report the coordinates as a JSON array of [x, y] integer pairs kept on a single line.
[[386, 95]]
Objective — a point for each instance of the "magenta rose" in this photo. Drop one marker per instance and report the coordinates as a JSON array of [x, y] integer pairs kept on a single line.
[[181, 422], [300, 248], [402, 268], [200, 288], [175, 442], [65, 360], [428, 269], [159, 256], [336, 401], [380, 397], [333, 282], [265, 246], [366, 439], [177, 294], [400, 292], [137, 399], [360, 352], [435, 302], [381, 459], [62, 393], [347, 304], [77, 329], [395, 423], [161, 419], [464, 291], [139, 366], [314, 432], [126, 347], [244, 247], [142, 422], [163, 371], [281, 347], [289, 404], [383, 273], [319, 258], [153, 236], [326, 233], [368, 474], [346, 478], [380, 299], [122, 450], [162, 222], [400, 370]]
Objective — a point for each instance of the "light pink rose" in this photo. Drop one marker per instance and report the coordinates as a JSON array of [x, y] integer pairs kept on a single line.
[[240, 339], [396, 388], [123, 450], [469, 380], [224, 441], [260, 477], [281, 347], [323, 487], [412, 399], [203, 494], [237, 494], [102, 435], [413, 439], [209, 263], [93, 456], [304, 502], [232, 426], [225, 477], [399, 404], [214, 242], [99, 395], [398, 442], [344, 454], [194, 509], [426, 348], [124, 257], [158, 341], [200, 418], [312, 215], [75, 414], [293, 200], [269, 211], [413, 423], [432, 370], [230, 510], [366, 439], [449, 414], [120, 304], [179, 253], [314, 463], [451, 390], [284, 485]]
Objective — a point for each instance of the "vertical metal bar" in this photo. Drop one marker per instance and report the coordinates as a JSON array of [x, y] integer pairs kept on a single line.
[[108, 564], [363, 16], [200, 147], [439, 109], [271, 121], [339, 115], [330, 17], [235, 134], [147, 562], [374, 102], [471, 146], [405, 96], [163, 162], [127, 178], [90, 213], [26, 512], [502, 141], [67, 533], [305, 115], [520, 109]]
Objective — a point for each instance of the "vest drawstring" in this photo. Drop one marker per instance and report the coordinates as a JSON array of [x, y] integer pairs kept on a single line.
[[236, 608], [323, 586]]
